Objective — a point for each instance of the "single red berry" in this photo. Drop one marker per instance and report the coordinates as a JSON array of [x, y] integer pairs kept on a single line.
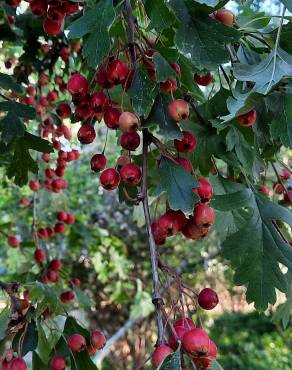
[[110, 179], [196, 342], [50, 173], [63, 110], [180, 332], [117, 71], [39, 255], [52, 96], [70, 219], [98, 101], [34, 185], [56, 264], [111, 118], [208, 299], [264, 190], [205, 190], [169, 86], [76, 342], [18, 364], [67, 297], [75, 282], [46, 157], [43, 233], [24, 202], [204, 216], [128, 121], [78, 85], [131, 174], [98, 162], [30, 90], [97, 339], [203, 80], [185, 163], [83, 110], [58, 363], [187, 144], [130, 140], [70, 7], [179, 110], [286, 174], [86, 134], [192, 231], [51, 27], [158, 234], [225, 16], [248, 119], [176, 67], [52, 276], [159, 355], [13, 241]]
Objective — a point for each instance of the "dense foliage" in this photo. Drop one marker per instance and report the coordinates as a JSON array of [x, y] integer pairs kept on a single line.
[[187, 112]]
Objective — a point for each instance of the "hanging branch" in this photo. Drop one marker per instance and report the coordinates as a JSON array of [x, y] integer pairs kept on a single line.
[[143, 196]]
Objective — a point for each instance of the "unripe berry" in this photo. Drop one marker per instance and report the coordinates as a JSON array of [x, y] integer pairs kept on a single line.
[[203, 80], [128, 121], [58, 363], [248, 119], [97, 339], [204, 216], [205, 190], [39, 255], [110, 179], [76, 342], [13, 241], [111, 118], [179, 110], [208, 299], [67, 297], [224, 16], [131, 174], [187, 144], [98, 162], [18, 364], [196, 342], [86, 134], [160, 354], [130, 140], [78, 85]]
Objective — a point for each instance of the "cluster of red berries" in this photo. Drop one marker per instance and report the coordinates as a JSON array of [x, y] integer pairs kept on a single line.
[[195, 342]]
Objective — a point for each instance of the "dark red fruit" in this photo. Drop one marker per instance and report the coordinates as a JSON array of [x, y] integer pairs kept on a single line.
[[196, 342], [98, 162], [185, 163], [111, 118], [169, 86], [63, 110], [70, 219], [67, 297], [131, 174], [117, 71], [171, 222], [208, 299], [97, 339], [248, 119], [160, 354], [78, 85], [185, 322], [13, 241], [76, 342], [39, 255], [110, 179], [180, 332], [98, 101], [18, 364], [86, 134], [51, 27], [264, 190], [58, 363], [203, 80], [75, 282], [56, 264], [179, 110], [205, 190], [194, 232], [34, 185], [204, 216], [130, 140], [187, 144]]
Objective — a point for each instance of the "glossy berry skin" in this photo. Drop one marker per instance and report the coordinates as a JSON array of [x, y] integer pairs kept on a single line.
[[58, 363], [98, 162], [180, 332], [179, 110], [169, 86], [59, 228], [13, 241], [17, 364], [224, 16], [131, 174], [111, 118], [51, 27], [203, 80], [159, 355], [63, 110], [208, 299], [67, 297], [193, 231], [39, 255], [204, 216], [78, 85], [86, 134], [76, 342], [130, 140], [196, 342], [128, 121], [171, 222], [97, 339], [98, 101], [110, 179], [56, 264], [248, 119], [34, 185], [187, 144], [117, 71], [205, 190]]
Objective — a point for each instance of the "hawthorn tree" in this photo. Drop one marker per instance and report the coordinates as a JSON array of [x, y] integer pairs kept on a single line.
[[199, 101]]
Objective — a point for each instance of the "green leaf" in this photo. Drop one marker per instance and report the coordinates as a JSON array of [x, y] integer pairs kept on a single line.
[[96, 22], [179, 185], [4, 321], [82, 361], [163, 69], [29, 338], [287, 4], [203, 38], [266, 74], [44, 346], [83, 299], [38, 144], [37, 363], [172, 362], [256, 250], [216, 366], [281, 126], [7, 83], [168, 128], [211, 3], [187, 77], [11, 128], [159, 14], [17, 109], [143, 92]]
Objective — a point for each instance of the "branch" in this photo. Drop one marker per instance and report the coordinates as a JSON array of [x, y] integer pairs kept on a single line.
[[131, 30]]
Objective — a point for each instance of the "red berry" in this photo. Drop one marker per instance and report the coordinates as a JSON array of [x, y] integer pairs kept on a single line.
[[158, 234], [70, 7], [110, 179], [196, 342], [83, 110], [111, 118], [101, 78], [97, 339], [50, 173], [278, 188], [187, 144], [42, 233], [98, 102], [224, 16], [204, 216], [208, 299], [205, 190], [130, 140], [203, 80], [98, 162], [128, 121], [75, 282], [78, 85], [39, 255], [52, 276], [169, 86], [265, 190], [131, 174], [185, 163], [46, 157], [51, 27], [52, 96], [76, 342], [185, 322], [58, 363], [67, 297], [171, 222], [13, 3], [122, 161], [34, 185], [18, 364], [160, 354], [248, 119], [56, 264], [286, 175], [30, 90], [176, 67], [13, 241], [180, 332], [70, 219], [117, 71], [179, 110], [63, 110], [86, 134], [24, 202], [194, 232]]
